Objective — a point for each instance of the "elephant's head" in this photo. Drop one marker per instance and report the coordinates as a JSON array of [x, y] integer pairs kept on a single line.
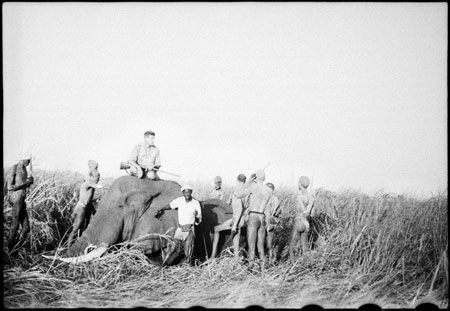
[[122, 209]]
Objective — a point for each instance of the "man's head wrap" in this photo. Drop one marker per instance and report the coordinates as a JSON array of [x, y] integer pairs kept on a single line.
[[304, 181], [260, 174]]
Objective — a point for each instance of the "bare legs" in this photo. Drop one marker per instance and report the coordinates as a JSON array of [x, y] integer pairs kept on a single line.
[[78, 215], [19, 217], [256, 234], [226, 225], [300, 231]]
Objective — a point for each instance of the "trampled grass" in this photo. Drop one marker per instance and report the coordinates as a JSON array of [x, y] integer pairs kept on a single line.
[[387, 249]]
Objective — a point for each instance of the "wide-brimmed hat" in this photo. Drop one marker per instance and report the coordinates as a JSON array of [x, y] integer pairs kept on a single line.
[[186, 187]]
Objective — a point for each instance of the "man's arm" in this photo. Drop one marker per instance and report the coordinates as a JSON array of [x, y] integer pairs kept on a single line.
[[157, 160], [90, 184], [277, 209], [12, 187], [132, 159], [198, 215], [310, 205], [247, 189], [158, 211]]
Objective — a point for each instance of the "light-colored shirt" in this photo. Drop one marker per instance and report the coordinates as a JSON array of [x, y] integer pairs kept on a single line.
[[145, 155], [217, 194], [186, 210]]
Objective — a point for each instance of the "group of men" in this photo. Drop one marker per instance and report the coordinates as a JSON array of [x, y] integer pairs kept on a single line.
[[256, 206], [253, 203]]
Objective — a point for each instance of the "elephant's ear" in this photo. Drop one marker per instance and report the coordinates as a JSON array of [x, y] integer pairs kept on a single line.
[[136, 205]]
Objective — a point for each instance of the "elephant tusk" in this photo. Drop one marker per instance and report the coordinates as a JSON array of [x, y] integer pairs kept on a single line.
[[97, 252]]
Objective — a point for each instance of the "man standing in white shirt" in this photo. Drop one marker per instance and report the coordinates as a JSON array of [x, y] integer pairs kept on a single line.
[[189, 214]]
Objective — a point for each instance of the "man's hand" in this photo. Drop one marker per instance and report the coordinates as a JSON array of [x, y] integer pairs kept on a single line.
[[30, 180]]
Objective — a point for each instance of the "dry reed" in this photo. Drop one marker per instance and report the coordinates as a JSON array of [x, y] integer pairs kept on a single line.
[[387, 249]]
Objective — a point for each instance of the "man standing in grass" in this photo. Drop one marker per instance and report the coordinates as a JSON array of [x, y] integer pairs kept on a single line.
[[272, 212], [256, 225], [300, 229], [189, 214], [84, 208], [218, 192], [146, 155], [238, 202], [17, 183]]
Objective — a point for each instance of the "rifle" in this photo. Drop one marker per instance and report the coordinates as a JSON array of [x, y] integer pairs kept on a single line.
[[125, 166]]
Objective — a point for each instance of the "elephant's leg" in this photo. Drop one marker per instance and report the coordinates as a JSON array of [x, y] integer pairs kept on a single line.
[[217, 229]]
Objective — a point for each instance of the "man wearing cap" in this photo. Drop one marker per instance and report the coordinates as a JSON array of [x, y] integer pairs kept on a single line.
[[146, 156], [17, 182], [272, 213], [218, 192], [300, 229], [189, 214], [256, 224], [239, 203]]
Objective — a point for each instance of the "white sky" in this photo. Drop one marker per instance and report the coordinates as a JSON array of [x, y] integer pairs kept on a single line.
[[354, 94]]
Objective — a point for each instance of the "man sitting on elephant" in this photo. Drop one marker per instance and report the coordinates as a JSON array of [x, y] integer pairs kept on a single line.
[[146, 156], [189, 213]]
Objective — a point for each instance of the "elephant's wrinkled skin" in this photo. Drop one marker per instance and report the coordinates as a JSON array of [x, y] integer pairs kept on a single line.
[[126, 213]]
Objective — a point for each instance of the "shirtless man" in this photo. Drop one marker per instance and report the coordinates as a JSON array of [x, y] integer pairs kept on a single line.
[[218, 192], [272, 213], [146, 155], [256, 223], [300, 229], [238, 202], [84, 208], [17, 183]]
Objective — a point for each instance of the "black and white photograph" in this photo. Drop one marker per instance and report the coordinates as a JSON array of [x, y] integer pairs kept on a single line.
[[225, 154]]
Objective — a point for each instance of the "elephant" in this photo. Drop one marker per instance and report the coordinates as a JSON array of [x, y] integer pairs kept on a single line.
[[126, 212]]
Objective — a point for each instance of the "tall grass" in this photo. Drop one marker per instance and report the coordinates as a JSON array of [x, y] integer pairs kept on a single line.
[[384, 248]]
